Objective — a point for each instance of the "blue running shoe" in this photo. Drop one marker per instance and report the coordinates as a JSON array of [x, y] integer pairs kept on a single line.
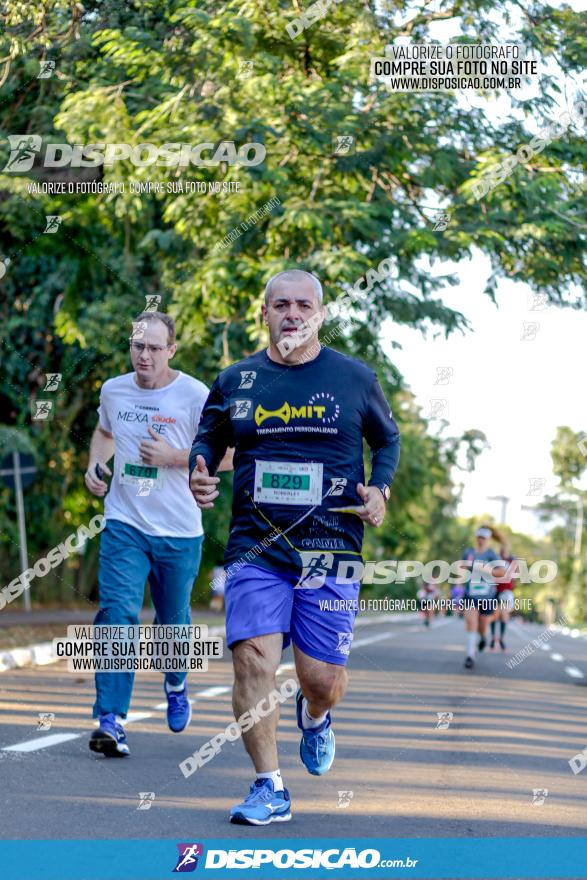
[[262, 805], [179, 709], [317, 746], [109, 739]]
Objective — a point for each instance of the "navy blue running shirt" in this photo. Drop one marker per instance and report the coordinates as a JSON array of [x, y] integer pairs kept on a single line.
[[298, 436]]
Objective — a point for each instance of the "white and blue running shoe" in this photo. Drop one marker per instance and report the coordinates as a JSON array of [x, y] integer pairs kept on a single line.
[[262, 805], [179, 709], [109, 738], [317, 746]]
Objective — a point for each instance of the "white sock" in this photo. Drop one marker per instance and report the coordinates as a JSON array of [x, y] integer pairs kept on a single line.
[[471, 642], [120, 720], [275, 777], [307, 720], [175, 687]]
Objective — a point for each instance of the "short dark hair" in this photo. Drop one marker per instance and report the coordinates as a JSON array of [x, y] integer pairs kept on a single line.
[[159, 316], [293, 274]]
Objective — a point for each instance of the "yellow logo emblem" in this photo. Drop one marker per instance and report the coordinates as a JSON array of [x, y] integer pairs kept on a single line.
[[287, 412]]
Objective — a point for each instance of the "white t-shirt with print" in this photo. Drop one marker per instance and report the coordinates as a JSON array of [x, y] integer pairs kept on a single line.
[[156, 500]]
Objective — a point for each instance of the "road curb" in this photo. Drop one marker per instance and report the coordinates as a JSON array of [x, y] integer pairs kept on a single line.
[[33, 655]]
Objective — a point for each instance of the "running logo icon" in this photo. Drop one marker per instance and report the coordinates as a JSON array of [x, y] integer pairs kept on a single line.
[[241, 409], [138, 329], [438, 408], [144, 487], [41, 410], [46, 71], [441, 222], [188, 857], [247, 378], [146, 799], [338, 484], [245, 70], [52, 381], [53, 222], [539, 302], [344, 144], [315, 567], [529, 331], [23, 151], [539, 795], [345, 641], [443, 375], [536, 484], [444, 719], [152, 302], [45, 720]]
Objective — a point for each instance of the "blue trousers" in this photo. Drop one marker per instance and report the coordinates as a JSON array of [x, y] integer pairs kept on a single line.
[[127, 558]]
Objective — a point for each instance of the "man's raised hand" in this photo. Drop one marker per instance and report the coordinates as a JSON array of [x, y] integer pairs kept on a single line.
[[203, 486]]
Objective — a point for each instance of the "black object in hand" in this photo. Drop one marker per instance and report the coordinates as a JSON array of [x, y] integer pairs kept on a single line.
[[100, 473]]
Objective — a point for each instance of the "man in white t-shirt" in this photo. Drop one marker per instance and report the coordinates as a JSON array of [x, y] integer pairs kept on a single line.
[[147, 420]]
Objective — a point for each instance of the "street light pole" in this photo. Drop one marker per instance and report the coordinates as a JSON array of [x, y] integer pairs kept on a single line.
[[575, 496], [504, 505], [24, 560], [578, 538]]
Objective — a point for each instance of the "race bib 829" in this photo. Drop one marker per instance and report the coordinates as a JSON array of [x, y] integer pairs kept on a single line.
[[287, 482]]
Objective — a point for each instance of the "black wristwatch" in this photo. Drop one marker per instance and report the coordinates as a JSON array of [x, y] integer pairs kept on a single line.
[[384, 489]]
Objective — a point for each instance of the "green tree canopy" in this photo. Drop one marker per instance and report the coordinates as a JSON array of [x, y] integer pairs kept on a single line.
[[194, 71]]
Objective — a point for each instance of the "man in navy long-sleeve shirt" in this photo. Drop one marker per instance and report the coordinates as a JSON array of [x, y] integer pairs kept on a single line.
[[296, 414]]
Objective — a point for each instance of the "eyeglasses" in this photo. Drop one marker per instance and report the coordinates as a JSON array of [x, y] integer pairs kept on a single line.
[[139, 347]]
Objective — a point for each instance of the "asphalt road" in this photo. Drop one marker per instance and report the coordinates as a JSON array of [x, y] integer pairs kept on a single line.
[[513, 730]]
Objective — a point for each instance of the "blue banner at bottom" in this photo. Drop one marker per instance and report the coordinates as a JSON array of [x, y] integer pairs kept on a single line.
[[471, 858]]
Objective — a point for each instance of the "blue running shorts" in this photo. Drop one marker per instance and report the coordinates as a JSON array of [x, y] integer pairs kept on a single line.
[[319, 621]]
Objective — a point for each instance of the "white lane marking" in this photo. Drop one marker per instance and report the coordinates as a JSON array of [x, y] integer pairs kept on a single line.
[[213, 691], [55, 738], [135, 716], [371, 639], [438, 623], [380, 619], [205, 694], [571, 671], [43, 742], [208, 693], [519, 630], [161, 706]]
